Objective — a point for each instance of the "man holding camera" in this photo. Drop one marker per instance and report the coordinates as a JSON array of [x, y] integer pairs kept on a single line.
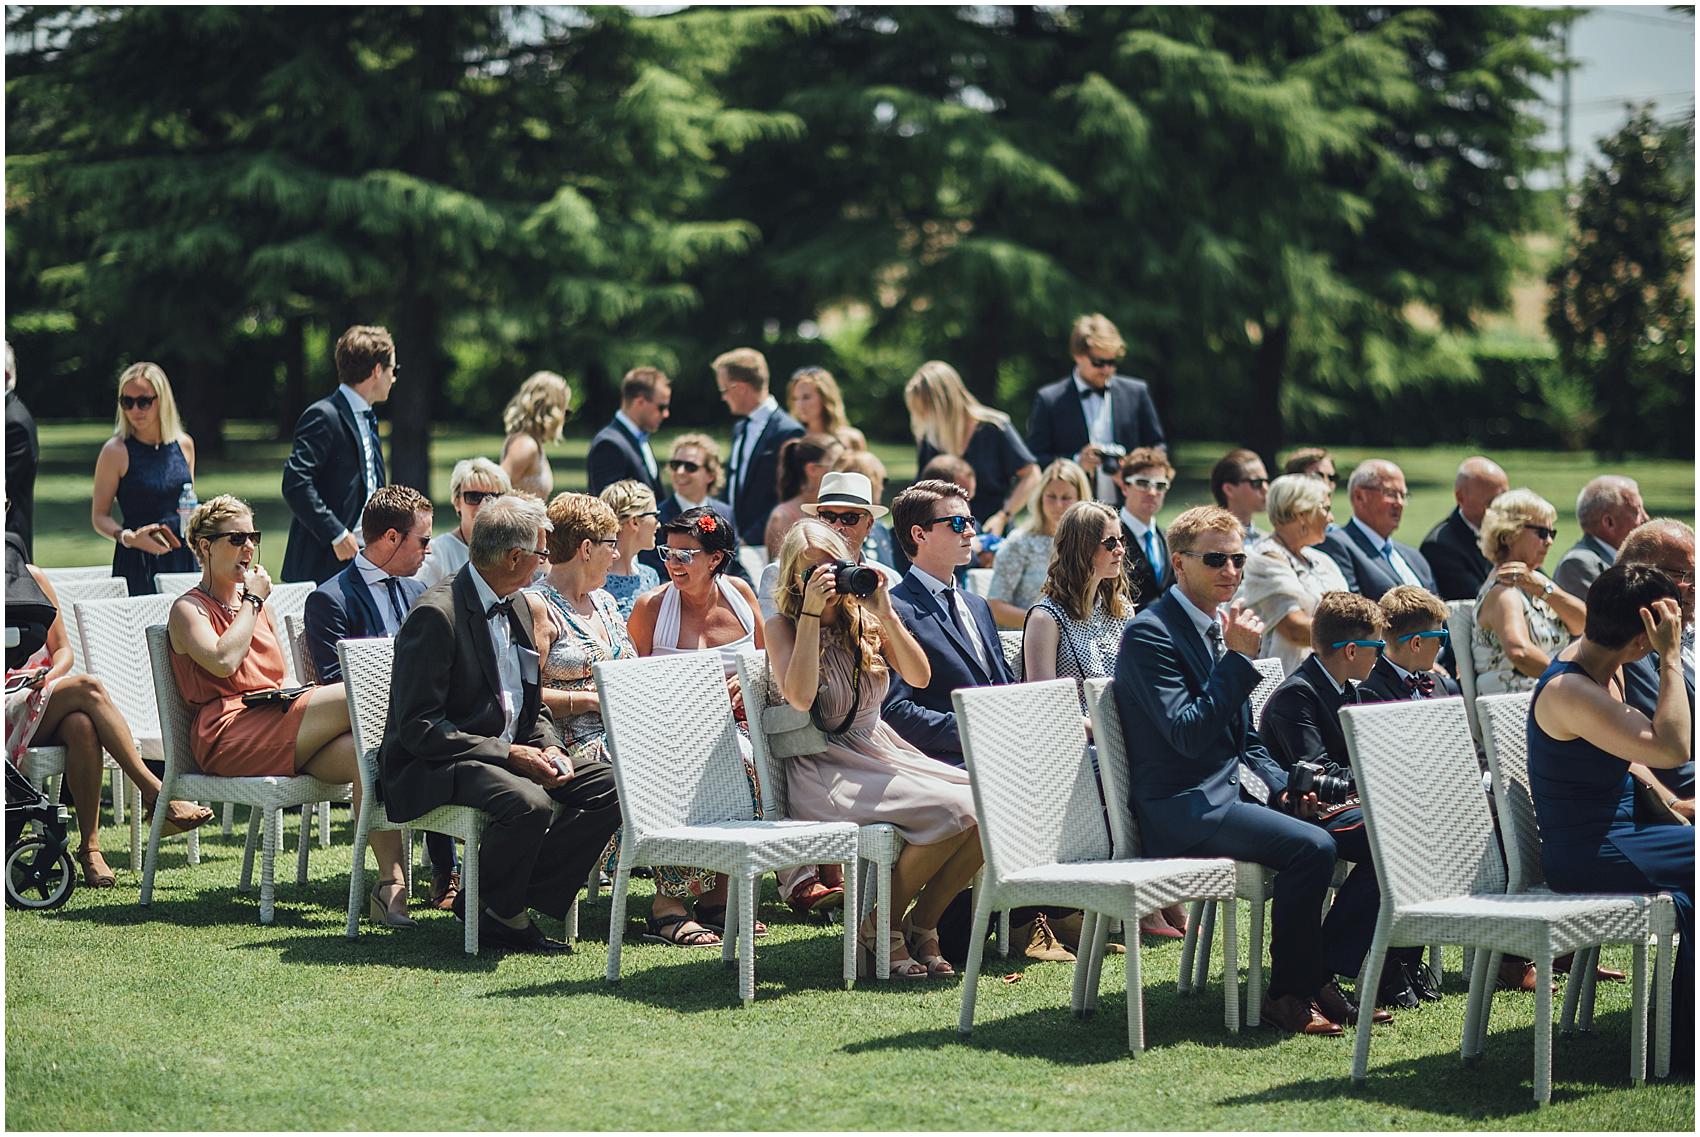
[[1301, 724], [846, 503], [1093, 413]]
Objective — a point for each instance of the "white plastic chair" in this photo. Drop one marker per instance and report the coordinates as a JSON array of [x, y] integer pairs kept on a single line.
[[366, 677], [294, 630], [268, 796], [78, 572], [779, 731], [1461, 628], [979, 581], [1417, 775], [1010, 640], [685, 800], [1042, 830], [175, 584]]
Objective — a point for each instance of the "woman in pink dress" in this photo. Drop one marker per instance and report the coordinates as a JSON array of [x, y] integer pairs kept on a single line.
[[223, 646]]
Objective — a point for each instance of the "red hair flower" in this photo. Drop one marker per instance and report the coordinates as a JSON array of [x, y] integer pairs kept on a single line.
[[708, 523]]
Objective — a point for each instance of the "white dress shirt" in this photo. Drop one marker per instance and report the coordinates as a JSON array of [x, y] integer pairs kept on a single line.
[[1100, 427], [375, 578], [643, 440], [368, 470], [1384, 548], [509, 654], [745, 443]]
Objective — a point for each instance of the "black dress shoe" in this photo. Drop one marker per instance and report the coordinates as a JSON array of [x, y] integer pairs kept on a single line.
[[1423, 982], [1396, 989], [1334, 1003], [494, 933]]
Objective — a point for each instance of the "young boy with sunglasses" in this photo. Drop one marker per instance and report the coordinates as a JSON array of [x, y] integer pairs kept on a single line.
[[1144, 477], [1416, 633]]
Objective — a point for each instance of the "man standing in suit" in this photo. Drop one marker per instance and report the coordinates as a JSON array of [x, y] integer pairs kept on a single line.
[[1416, 633], [1093, 407], [954, 627], [1369, 558], [1143, 478], [1301, 723], [1453, 547], [467, 726], [620, 450], [1203, 784], [760, 430], [337, 461], [1607, 509], [23, 455]]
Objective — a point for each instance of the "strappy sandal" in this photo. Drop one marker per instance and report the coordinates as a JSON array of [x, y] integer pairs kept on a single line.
[[668, 930], [817, 897], [905, 968], [174, 827], [92, 877], [715, 918], [938, 967]]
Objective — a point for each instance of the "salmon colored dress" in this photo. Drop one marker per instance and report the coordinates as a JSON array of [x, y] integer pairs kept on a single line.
[[228, 739]]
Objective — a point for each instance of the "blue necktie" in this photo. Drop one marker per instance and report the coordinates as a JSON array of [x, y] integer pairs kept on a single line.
[[1151, 555], [375, 468]]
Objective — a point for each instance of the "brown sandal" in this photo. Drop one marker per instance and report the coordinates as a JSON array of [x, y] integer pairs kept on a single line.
[[174, 826], [93, 877]]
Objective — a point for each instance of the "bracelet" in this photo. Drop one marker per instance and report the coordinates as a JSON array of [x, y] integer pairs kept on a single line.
[[800, 615], [259, 601], [121, 533], [1671, 804]]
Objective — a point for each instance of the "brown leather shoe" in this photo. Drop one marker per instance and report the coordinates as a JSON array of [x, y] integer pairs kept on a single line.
[[1333, 1002], [444, 888], [1068, 929], [1037, 941], [1518, 974], [1298, 1016], [1601, 974]]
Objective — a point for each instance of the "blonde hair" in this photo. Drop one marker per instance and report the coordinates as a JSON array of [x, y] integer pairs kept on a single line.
[[1095, 335], [482, 469], [1410, 608], [1066, 471], [210, 514], [941, 409], [170, 423], [1505, 517], [576, 518], [1184, 531], [1079, 539], [833, 418], [540, 407], [788, 590], [628, 498], [710, 455], [1291, 496]]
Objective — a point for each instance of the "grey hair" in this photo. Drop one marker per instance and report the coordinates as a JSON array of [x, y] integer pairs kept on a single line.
[[1291, 496], [1369, 474], [1602, 495], [481, 468], [506, 522]]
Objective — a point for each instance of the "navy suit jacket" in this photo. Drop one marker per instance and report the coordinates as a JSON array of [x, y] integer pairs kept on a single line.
[[343, 608], [1385, 685], [1139, 571], [1188, 725], [616, 455], [758, 493], [1056, 427], [1366, 571], [1641, 691], [1301, 720], [324, 482], [1455, 555], [924, 715]]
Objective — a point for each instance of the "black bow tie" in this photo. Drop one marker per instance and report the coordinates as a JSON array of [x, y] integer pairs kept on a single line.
[[500, 608], [1087, 390], [1423, 681]]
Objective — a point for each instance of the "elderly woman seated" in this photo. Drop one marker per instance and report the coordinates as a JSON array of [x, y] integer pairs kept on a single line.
[[1523, 619], [1285, 573]]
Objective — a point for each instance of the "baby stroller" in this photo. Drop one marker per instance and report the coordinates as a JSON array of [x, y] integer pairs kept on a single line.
[[39, 869]]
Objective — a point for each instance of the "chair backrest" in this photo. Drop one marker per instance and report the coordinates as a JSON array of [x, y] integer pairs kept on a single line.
[[1424, 809], [1505, 726], [59, 576], [1461, 629], [172, 713], [1025, 749], [1272, 671], [111, 633], [1115, 770], [296, 652], [286, 600], [673, 742], [777, 731], [979, 581], [175, 583], [366, 667], [753, 558], [1010, 641], [84, 588]]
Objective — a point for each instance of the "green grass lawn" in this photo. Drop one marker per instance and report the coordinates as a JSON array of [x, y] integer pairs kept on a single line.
[[191, 1015], [64, 537]]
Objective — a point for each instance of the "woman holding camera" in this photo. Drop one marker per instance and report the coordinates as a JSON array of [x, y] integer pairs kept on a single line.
[[834, 655], [224, 651]]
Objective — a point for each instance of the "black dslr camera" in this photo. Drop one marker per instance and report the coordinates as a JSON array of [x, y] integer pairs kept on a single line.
[[850, 578], [1110, 456], [1311, 777]]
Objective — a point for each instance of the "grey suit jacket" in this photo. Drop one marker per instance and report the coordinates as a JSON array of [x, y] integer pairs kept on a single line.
[[1582, 565]]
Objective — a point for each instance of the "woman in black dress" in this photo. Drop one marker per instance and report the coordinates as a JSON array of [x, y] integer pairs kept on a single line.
[[144, 465], [946, 419]]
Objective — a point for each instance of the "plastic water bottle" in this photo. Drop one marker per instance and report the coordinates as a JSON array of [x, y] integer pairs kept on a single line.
[[186, 504]]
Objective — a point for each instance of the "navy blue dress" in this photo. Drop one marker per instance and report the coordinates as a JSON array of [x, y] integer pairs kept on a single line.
[[148, 493], [996, 453], [1584, 808]]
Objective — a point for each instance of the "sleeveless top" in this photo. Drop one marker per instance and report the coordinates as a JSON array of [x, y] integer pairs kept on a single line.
[[147, 493], [1086, 649], [666, 639], [1494, 672], [574, 649], [1579, 790]]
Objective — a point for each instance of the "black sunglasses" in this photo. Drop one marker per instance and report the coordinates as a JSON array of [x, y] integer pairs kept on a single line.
[[478, 497], [1254, 483], [679, 464], [1543, 532], [663, 407], [239, 540], [1111, 544], [1219, 560], [834, 517], [959, 523], [1096, 362], [136, 402]]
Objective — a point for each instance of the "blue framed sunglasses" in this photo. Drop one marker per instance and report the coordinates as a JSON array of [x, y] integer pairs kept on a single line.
[[1444, 635], [959, 523], [1378, 645]]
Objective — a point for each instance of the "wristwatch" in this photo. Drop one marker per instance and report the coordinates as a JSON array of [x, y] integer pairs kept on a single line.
[[259, 601], [1547, 586]]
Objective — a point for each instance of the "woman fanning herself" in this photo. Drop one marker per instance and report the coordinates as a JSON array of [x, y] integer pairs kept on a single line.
[[51, 707], [833, 654], [143, 467], [223, 646], [1586, 749]]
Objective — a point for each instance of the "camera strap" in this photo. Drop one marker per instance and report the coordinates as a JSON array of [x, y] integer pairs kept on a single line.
[[855, 687]]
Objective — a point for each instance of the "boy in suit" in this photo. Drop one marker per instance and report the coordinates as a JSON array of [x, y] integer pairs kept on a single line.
[[1416, 633], [1143, 478], [761, 429]]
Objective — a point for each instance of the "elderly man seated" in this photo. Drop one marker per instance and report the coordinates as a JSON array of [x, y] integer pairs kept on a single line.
[[1606, 510], [1364, 548], [1452, 547]]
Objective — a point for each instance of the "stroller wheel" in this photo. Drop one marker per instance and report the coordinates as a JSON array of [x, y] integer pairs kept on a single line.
[[39, 874]]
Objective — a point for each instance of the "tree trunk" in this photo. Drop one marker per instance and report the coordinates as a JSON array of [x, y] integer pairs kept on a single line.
[[295, 398], [416, 391], [1264, 431], [200, 400]]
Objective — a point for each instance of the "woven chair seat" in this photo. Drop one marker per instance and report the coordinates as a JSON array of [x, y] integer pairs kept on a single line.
[[1120, 887], [739, 847]]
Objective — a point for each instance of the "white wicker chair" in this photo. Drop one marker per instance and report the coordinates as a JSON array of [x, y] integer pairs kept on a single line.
[[294, 630], [779, 731], [1115, 779], [79, 572], [1042, 831], [979, 581], [1417, 774], [1461, 627], [684, 799], [175, 583], [366, 677], [1010, 640], [269, 796]]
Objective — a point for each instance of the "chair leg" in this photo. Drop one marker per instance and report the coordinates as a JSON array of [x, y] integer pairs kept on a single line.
[[1437, 965], [852, 905], [1476, 1010], [1095, 972], [729, 934], [469, 885], [1135, 998], [976, 954], [117, 795], [1206, 940], [227, 819], [1368, 980], [1003, 933], [748, 894], [1253, 965], [1189, 946], [1637, 1014], [1543, 1029], [407, 862], [135, 823], [1083, 965], [1585, 1012], [1579, 970], [882, 924], [1661, 1011], [357, 871], [271, 838], [155, 831], [194, 842], [1231, 964], [303, 842], [246, 880], [324, 825]]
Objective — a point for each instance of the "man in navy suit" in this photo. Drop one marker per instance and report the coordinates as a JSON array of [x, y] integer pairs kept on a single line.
[[1416, 633], [955, 627], [1369, 558], [1203, 783], [761, 429], [337, 461], [1669, 546], [1093, 407], [1143, 478], [1453, 548], [620, 450]]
